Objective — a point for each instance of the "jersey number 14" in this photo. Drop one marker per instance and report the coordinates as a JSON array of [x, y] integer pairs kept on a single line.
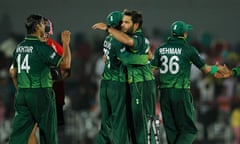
[[23, 65]]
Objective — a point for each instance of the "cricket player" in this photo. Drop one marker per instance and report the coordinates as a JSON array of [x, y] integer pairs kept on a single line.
[[113, 89], [174, 59], [35, 98], [58, 75]]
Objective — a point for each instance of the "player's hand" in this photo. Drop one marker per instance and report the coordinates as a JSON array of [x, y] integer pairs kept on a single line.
[[100, 26], [66, 36], [223, 71], [150, 55]]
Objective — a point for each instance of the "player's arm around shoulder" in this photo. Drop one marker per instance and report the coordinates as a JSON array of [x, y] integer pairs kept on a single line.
[[117, 34], [121, 37]]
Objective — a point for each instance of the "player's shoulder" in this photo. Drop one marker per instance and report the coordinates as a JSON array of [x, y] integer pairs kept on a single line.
[[190, 47], [42, 46], [163, 45], [138, 35]]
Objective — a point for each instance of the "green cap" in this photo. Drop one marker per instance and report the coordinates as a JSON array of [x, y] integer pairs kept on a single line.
[[114, 18], [180, 27]]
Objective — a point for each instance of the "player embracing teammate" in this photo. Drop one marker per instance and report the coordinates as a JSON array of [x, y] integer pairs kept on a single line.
[[141, 90]]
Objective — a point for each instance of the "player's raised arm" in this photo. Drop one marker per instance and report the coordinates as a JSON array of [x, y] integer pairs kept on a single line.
[[65, 36], [66, 63]]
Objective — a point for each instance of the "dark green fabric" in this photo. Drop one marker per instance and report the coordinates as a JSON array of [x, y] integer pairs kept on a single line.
[[113, 96], [34, 106], [114, 69], [178, 115], [142, 104], [113, 113], [134, 59], [141, 43], [139, 73]]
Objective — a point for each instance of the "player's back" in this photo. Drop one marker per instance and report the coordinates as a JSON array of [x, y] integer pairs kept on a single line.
[[114, 69], [176, 57], [31, 60]]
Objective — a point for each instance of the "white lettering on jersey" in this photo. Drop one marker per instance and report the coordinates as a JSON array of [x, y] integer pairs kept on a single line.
[[174, 51], [24, 49], [107, 44]]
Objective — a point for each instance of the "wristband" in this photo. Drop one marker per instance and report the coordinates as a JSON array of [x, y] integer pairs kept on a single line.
[[214, 69]]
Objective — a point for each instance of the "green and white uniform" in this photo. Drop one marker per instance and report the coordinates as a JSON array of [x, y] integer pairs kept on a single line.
[[174, 59], [113, 91], [35, 99], [141, 81]]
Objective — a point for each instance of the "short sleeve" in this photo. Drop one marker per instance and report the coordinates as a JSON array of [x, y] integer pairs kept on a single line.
[[49, 55], [196, 59]]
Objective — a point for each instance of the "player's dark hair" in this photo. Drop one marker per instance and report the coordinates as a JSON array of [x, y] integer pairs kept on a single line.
[[135, 15], [118, 27], [31, 22]]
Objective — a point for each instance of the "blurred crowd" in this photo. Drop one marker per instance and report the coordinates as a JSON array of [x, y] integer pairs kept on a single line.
[[215, 100]]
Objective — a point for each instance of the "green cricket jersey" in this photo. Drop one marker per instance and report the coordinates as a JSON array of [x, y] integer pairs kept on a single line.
[[32, 59], [114, 69], [139, 68], [174, 59]]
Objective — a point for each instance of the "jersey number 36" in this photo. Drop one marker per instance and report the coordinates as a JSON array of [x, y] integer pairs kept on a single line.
[[169, 64]]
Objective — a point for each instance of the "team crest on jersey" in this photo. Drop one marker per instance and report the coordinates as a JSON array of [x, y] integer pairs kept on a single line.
[[52, 55], [123, 49]]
